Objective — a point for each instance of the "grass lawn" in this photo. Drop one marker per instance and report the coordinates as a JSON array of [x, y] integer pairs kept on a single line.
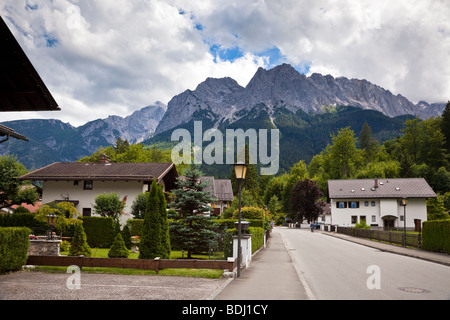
[[184, 272]]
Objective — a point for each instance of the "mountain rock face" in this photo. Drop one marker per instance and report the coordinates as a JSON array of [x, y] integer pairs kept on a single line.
[[225, 100], [53, 140], [135, 128]]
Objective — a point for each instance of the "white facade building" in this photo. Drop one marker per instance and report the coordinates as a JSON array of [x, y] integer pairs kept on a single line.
[[379, 202], [80, 183]]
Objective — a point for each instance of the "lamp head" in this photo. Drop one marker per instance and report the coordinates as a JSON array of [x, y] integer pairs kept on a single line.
[[240, 169]]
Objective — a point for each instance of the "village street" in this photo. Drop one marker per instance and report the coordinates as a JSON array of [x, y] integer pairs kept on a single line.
[[296, 265], [333, 268]]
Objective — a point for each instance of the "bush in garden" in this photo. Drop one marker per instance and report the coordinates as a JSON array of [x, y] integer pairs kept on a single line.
[[118, 248], [79, 244], [14, 244], [436, 236], [250, 213]]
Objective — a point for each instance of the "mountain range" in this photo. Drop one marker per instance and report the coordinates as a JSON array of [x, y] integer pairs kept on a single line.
[[55, 141], [305, 110], [224, 100]]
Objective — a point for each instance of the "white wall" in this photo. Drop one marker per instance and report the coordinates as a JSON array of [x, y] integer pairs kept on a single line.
[[56, 190], [416, 209]]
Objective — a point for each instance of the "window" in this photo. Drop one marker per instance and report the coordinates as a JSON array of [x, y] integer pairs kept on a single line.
[[366, 203], [374, 218], [373, 203], [75, 183], [88, 184], [362, 218], [354, 219], [341, 204], [86, 212], [354, 204], [402, 218]]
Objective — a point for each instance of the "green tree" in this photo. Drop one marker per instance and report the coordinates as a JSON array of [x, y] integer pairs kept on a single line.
[[150, 245], [164, 225], [118, 248], [121, 145], [274, 205], [367, 142], [138, 206], [79, 245], [298, 172], [10, 186], [436, 209], [109, 205], [194, 231], [445, 126], [342, 157]]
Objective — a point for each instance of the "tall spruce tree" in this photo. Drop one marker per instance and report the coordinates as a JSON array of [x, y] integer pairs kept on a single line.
[[164, 225], [149, 247], [445, 126], [194, 231]]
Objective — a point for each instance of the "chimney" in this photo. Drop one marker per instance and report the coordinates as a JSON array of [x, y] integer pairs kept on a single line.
[[376, 183], [104, 158]]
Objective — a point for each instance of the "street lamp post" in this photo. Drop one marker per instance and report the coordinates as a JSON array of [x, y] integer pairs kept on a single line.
[[51, 221], [404, 203], [240, 170]]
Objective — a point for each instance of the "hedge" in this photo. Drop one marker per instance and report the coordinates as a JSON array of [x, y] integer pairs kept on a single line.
[[436, 235], [21, 219], [14, 244], [99, 231], [136, 226], [257, 240]]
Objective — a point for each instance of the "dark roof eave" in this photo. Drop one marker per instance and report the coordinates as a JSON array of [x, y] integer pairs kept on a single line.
[[96, 178], [398, 196]]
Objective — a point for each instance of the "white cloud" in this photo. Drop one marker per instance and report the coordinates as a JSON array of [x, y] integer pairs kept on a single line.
[[112, 57]]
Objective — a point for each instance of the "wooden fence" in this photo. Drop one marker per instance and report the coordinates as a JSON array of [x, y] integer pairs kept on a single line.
[[147, 264], [412, 239]]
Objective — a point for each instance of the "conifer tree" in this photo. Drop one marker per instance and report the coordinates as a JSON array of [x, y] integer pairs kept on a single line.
[[165, 236], [194, 231], [149, 247], [79, 244], [118, 248]]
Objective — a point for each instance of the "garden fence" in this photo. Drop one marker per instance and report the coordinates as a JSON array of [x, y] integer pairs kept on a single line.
[[393, 237]]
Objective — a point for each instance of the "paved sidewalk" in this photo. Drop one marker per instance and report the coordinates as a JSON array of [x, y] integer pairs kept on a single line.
[[270, 276], [436, 257]]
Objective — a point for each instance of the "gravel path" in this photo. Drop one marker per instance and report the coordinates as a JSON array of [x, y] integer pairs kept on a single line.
[[25, 285]]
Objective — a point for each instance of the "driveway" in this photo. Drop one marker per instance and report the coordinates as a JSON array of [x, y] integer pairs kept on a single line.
[[26, 285]]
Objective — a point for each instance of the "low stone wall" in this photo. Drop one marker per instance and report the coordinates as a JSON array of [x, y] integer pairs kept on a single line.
[[44, 248]]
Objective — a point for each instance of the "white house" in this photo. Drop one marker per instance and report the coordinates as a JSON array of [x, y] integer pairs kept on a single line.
[[379, 201], [80, 183]]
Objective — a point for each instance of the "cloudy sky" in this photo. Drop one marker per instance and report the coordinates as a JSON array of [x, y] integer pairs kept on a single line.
[[104, 57]]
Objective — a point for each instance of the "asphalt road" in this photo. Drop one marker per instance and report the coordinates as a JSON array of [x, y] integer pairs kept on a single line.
[[336, 269]]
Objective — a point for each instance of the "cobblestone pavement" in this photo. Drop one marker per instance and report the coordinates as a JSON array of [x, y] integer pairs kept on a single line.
[[26, 285]]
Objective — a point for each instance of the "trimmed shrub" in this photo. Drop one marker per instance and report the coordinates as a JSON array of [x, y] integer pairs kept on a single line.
[[79, 245], [249, 213], [99, 231], [118, 248], [21, 219], [257, 240], [228, 242], [257, 237], [14, 244], [436, 235]]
